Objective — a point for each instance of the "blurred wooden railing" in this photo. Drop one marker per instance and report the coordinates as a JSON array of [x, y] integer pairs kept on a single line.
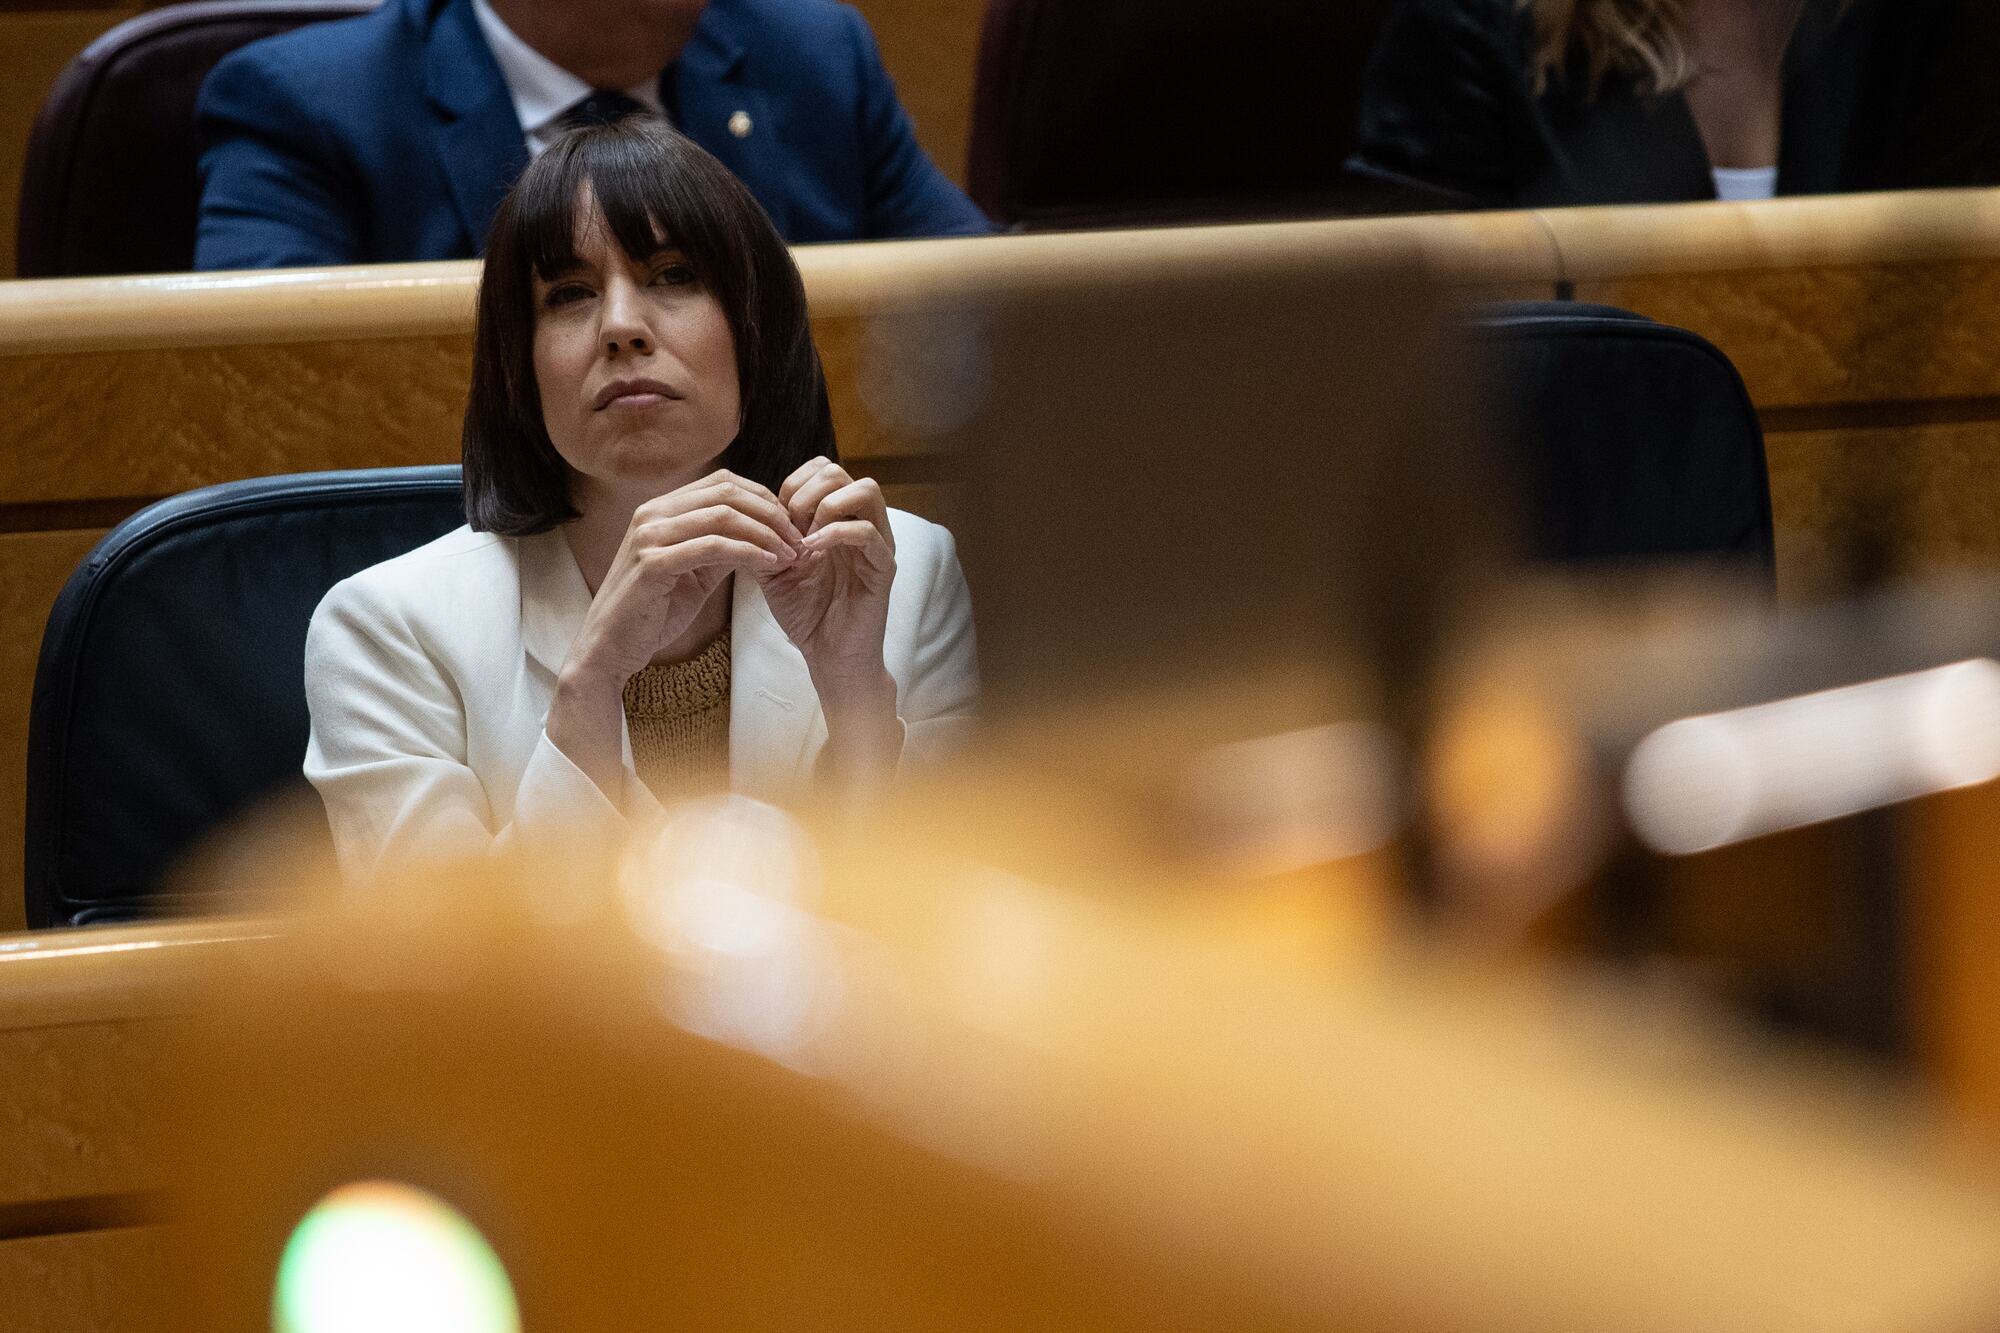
[[1462, 1149]]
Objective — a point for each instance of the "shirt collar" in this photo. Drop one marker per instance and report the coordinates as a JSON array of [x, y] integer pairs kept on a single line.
[[541, 89]]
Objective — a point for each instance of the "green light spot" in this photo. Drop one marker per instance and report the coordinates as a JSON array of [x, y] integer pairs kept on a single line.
[[376, 1257]]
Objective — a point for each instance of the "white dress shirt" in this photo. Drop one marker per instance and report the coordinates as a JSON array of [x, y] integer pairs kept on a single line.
[[541, 89], [1738, 185]]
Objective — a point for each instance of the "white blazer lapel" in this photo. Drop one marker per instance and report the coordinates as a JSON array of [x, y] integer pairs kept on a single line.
[[774, 718], [554, 598], [554, 602]]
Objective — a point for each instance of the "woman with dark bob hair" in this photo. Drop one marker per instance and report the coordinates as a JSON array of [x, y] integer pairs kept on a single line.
[[666, 580]]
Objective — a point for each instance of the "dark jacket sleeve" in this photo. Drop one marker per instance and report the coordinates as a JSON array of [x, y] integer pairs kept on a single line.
[[1442, 100], [907, 195], [274, 192]]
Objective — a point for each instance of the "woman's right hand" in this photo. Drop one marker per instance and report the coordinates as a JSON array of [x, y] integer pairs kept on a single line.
[[677, 552]]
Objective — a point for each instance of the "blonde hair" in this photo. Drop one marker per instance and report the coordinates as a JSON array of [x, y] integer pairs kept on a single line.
[[1644, 40], [1641, 39]]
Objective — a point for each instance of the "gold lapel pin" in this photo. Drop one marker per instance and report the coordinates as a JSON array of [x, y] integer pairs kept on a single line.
[[740, 124]]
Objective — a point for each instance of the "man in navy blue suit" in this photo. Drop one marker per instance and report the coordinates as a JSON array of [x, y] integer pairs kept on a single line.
[[393, 136]]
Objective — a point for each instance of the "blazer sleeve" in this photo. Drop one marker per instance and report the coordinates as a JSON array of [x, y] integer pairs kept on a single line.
[[275, 192], [907, 196], [941, 698], [1441, 99], [388, 750]]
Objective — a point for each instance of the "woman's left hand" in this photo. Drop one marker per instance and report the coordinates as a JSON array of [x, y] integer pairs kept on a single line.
[[833, 601]]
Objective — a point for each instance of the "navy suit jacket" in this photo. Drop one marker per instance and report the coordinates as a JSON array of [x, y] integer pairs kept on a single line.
[[391, 137]]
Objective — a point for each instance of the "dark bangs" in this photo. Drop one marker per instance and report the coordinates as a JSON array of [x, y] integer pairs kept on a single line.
[[654, 188], [648, 202]]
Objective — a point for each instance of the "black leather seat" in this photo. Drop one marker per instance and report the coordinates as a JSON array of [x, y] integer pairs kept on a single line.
[[110, 182], [169, 696], [1134, 112], [1634, 440]]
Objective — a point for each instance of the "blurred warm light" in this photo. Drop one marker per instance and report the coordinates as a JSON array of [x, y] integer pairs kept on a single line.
[[1515, 812], [1301, 798], [727, 888], [1704, 782], [377, 1257]]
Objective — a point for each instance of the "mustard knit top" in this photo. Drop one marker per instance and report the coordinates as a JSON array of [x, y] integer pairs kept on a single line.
[[678, 716]]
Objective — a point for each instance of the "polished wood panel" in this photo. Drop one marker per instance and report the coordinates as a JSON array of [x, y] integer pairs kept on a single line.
[[1819, 301], [1837, 335], [1504, 252], [89, 1282], [1921, 226], [75, 1104], [110, 975], [1927, 497], [160, 420], [82, 1069], [87, 1021]]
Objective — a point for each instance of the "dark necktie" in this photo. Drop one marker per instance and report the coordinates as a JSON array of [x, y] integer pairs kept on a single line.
[[604, 106]]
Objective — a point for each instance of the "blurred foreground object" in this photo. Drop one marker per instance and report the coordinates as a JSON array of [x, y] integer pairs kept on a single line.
[[1792, 808], [773, 1076]]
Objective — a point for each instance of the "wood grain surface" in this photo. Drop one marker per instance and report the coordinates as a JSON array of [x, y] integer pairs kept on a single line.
[[164, 420], [1837, 335], [87, 1282], [76, 1103], [89, 1021]]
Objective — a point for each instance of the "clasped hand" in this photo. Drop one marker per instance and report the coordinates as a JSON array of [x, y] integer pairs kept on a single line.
[[821, 549]]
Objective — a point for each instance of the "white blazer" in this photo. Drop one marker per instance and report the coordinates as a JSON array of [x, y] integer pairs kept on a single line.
[[429, 679]]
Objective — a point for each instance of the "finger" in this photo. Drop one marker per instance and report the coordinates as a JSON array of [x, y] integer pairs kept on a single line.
[[858, 499], [806, 500], [800, 475], [716, 519], [803, 489], [713, 551], [749, 499], [723, 474], [856, 534]]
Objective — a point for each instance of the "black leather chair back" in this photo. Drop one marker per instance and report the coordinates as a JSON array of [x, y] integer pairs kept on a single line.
[[1635, 440], [170, 692], [1131, 112], [110, 184]]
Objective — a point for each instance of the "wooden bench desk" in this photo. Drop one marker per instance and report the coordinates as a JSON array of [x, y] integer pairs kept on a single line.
[[82, 1017]]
